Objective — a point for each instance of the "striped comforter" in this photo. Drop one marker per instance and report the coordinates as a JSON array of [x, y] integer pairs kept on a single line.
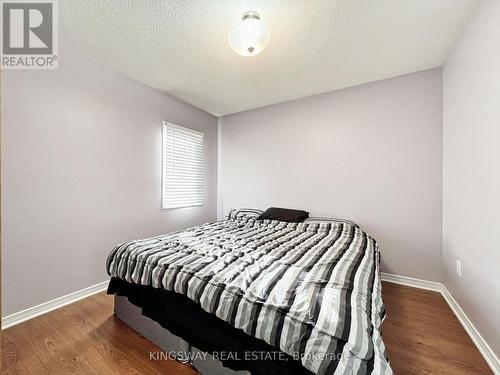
[[312, 290]]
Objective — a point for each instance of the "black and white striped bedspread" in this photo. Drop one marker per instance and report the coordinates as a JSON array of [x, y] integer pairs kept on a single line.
[[310, 289]]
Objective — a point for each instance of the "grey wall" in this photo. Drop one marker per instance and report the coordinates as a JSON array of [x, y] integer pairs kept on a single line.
[[372, 153], [81, 172], [471, 221]]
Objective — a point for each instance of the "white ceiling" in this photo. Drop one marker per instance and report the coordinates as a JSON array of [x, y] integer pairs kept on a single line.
[[180, 46]]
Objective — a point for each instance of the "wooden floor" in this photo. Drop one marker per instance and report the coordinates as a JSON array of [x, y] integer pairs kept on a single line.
[[421, 334]]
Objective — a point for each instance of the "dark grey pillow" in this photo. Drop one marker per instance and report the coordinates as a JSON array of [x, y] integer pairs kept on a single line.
[[284, 214]]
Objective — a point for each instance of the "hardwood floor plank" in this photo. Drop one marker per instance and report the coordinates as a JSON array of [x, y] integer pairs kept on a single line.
[[421, 334]]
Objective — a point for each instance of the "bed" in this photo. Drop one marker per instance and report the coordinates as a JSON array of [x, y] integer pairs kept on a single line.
[[283, 297]]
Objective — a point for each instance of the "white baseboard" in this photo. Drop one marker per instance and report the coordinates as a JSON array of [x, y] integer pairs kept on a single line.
[[483, 347], [43, 308], [489, 355], [409, 281]]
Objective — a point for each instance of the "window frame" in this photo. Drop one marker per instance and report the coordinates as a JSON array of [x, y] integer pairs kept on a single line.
[[165, 127]]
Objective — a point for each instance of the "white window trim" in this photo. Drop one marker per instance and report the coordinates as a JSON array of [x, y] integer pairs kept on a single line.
[[163, 176]]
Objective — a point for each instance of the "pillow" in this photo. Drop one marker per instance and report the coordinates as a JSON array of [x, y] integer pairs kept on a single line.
[[243, 212], [330, 220], [284, 214]]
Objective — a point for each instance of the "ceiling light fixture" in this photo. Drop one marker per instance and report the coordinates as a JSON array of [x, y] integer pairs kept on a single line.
[[251, 35]]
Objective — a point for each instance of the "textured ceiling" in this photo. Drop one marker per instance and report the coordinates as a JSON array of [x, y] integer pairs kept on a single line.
[[180, 46]]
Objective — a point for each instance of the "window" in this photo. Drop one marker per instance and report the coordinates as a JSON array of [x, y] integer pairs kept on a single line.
[[182, 167]]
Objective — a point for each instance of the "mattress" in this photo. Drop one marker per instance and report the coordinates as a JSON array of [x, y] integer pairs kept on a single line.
[[311, 290]]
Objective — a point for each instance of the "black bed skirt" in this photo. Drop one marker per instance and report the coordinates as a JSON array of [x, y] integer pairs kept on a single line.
[[186, 319]]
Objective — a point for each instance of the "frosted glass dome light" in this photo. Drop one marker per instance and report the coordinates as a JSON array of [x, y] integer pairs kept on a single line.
[[251, 35]]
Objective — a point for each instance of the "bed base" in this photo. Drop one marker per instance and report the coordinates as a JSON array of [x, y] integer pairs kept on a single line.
[[131, 315]]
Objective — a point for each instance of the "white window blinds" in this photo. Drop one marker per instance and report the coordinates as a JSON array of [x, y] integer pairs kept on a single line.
[[182, 167]]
